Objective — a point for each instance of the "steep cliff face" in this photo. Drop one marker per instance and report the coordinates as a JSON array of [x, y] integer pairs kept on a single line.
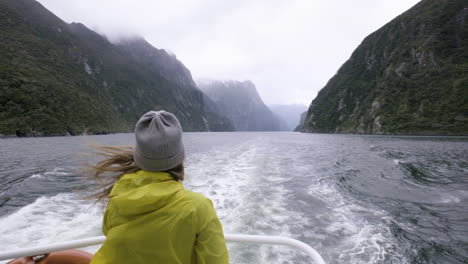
[[241, 103], [59, 78], [410, 77], [166, 65], [300, 127]]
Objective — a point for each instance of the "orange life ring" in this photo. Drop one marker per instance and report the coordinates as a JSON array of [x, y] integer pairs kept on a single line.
[[60, 257]]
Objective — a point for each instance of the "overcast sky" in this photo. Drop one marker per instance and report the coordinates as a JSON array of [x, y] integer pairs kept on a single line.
[[288, 48]]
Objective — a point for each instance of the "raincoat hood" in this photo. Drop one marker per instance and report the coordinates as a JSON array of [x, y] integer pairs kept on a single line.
[[135, 194]]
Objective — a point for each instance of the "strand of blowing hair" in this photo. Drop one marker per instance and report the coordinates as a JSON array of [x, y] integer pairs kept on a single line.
[[118, 161]]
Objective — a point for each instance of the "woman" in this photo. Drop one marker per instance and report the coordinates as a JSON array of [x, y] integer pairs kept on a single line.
[[150, 217]]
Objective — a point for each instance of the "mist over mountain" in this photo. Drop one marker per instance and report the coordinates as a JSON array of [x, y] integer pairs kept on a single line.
[[408, 77], [291, 114], [241, 103], [58, 78], [162, 63], [158, 61]]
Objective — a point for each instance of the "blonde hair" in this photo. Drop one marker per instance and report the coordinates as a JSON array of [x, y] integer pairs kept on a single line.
[[118, 161]]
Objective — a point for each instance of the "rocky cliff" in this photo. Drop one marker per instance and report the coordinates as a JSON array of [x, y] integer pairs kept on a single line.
[[58, 78], [300, 127], [408, 77], [241, 103]]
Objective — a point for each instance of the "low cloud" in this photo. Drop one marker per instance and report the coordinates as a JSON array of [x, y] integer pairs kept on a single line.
[[289, 49]]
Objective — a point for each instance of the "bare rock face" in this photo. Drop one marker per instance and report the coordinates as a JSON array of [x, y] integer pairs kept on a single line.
[[408, 77], [241, 103]]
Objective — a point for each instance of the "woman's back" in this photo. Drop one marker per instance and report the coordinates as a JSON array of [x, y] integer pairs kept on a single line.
[[150, 218]]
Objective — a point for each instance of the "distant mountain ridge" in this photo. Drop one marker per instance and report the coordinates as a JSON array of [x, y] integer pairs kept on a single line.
[[58, 78], [158, 60], [291, 114], [241, 103], [408, 77]]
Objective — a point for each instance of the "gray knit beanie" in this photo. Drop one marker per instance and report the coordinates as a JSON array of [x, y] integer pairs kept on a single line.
[[159, 144]]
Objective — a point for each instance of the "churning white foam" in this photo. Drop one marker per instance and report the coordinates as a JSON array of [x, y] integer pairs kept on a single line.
[[249, 198], [450, 199], [54, 172], [359, 239], [58, 171], [59, 218], [37, 176]]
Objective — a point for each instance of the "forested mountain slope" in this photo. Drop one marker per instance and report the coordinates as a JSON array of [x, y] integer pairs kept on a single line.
[[408, 77], [58, 78]]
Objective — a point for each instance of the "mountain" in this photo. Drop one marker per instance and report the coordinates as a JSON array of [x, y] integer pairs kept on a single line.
[[408, 77], [291, 114], [58, 78], [159, 61], [241, 103], [301, 122]]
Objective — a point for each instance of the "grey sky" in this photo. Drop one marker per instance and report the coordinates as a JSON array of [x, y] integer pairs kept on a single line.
[[288, 48]]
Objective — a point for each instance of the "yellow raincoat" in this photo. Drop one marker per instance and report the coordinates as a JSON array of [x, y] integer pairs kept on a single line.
[[150, 218]]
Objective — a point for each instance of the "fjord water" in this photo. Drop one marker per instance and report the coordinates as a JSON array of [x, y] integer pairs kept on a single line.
[[356, 199]]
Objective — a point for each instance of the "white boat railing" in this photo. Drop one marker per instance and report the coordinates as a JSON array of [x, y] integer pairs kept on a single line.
[[92, 241]]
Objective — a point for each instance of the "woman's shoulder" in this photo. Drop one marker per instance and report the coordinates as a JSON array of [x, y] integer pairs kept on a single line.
[[199, 202], [202, 207], [196, 197]]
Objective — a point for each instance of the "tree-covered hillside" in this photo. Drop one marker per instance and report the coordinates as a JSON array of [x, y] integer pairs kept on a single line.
[[58, 78], [408, 77]]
